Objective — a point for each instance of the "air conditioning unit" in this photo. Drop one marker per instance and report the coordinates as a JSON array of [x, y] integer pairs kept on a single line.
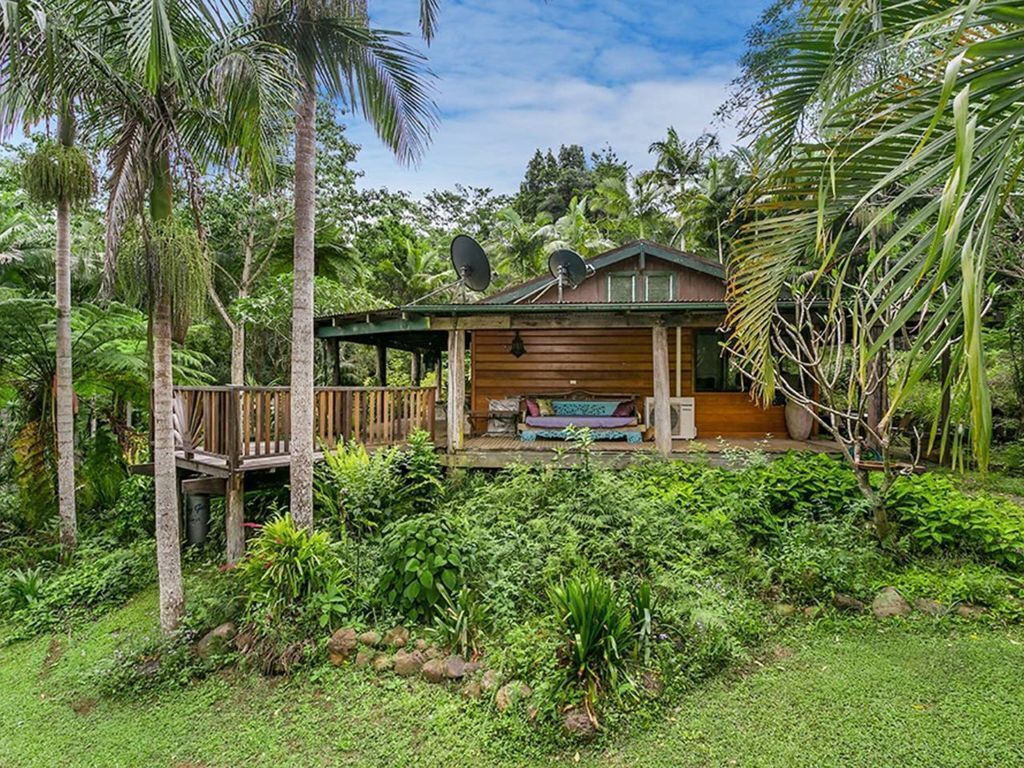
[[681, 409]]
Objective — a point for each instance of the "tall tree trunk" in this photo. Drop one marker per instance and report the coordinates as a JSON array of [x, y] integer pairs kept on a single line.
[[65, 392], [168, 534], [302, 311], [238, 354]]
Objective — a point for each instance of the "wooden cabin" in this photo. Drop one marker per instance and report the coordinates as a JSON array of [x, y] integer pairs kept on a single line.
[[643, 325]]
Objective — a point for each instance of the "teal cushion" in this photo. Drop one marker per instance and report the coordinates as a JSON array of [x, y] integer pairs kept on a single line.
[[584, 407]]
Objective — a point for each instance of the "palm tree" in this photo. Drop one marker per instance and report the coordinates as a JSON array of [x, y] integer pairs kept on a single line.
[[635, 206], [339, 56], [38, 75], [575, 231], [879, 113], [519, 242], [185, 87]]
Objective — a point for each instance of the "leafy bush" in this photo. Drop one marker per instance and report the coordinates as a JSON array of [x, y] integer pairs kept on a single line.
[[599, 635], [22, 589], [808, 485], [363, 492], [96, 580], [951, 582], [460, 621], [939, 517], [813, 560], [153, 663], [419, 555], [287, 570]]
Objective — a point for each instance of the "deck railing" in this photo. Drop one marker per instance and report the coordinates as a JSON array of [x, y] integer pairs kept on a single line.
[[239, 424]]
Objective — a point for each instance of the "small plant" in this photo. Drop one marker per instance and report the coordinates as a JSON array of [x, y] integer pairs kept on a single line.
[[287, 569], [459, 623], [641, 611], [420, 555], [24, 587], [599, 636]]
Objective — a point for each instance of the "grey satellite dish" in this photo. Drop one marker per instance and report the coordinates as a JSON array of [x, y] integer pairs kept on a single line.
[[567, 267], [470, 264]]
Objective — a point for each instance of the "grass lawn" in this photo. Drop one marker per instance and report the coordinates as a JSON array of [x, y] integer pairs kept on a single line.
[[842, 694]]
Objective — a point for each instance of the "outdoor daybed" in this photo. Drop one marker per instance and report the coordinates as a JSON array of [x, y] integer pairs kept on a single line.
[[608, 417]]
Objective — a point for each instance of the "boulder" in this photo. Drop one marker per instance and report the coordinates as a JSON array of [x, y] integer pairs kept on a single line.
[[888, 603], [510, 693], [364, 658], [433, 671], [811, 611], [472, 667], [382, 663], [408, 664], [421, 645], [968, 611], [217, 640], [578, 723], [341, 646], [454, 667], [370, 638], [472, 690], [397, 637], [848, 603], [929, 606], [490, 681]]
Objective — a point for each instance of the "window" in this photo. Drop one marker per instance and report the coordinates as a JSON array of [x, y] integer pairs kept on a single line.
[[621, 287], [660, 286], [713, 371]]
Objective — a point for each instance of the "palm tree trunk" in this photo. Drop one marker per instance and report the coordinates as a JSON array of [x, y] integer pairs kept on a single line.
[[65, 393], [168, 535], [302, 311]]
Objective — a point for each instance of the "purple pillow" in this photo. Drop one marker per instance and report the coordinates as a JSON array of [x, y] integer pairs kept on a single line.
[[532, 409], [625, 408]]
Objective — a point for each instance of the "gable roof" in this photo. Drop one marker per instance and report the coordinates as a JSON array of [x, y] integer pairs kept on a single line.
[[614, 256]]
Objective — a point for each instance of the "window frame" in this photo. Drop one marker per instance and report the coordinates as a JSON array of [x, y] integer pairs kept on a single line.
[[608, 286], [671, 285], [725, 364]]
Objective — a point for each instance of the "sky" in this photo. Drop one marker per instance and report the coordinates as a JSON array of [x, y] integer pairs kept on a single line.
[[516, 75]]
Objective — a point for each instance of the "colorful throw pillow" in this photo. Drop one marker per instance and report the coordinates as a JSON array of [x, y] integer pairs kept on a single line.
[[532, 409], [545, 406], [625, 408]]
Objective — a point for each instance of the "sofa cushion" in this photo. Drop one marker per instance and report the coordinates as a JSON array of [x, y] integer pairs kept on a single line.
[[584, 407], [594, 422], [531, 407], [545, 406]]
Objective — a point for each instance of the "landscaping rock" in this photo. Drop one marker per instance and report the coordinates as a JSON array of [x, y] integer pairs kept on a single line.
[[421, 645], [341, 646], [968, 611], [490, 680], [215, 641], [889, 603], [812, 611], [848, 603], [433, 671], [454, 667], [364, 658], [472, 690], [382, 663], [929, 606], [370, 638], [408, 664], [578, 723], [785, 610], [472, 667], [510, 693], [397, 637]]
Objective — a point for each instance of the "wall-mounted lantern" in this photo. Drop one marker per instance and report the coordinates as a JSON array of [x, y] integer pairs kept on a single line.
[[517, 348]]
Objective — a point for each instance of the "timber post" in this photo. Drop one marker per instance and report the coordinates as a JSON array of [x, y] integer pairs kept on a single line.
[[234, 492], [456, 388], [662, 415]]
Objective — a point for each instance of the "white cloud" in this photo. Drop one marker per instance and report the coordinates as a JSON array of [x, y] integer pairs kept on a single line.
[[515, 75]]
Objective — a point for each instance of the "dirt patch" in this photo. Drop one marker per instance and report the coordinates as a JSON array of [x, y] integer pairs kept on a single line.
[[54, 653], [769, 657], [83, 706]]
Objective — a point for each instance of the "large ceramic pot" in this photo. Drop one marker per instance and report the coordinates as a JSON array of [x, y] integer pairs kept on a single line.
[[798, 421]]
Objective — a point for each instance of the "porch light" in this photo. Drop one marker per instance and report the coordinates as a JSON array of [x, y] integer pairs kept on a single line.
[[517, 348]]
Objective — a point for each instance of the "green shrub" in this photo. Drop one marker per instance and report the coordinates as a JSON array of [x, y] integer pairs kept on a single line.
[[813, 560], [286, 574], [420, 555], [460, 621], [23, 587], [153, 663], [807, 485], [363, 492], [599, 635], [95, 581], [951, 582], [938, 517]]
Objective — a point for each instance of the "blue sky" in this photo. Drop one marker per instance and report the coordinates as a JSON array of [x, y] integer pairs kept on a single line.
[[514, 75]]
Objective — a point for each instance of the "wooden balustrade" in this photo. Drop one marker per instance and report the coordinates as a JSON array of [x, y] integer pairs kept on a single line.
[[240, 424]]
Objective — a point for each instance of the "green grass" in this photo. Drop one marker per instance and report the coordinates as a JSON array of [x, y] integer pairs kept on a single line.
[[849, 694]]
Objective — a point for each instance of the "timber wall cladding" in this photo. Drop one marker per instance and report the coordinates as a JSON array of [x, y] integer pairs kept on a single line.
[[607, 361]]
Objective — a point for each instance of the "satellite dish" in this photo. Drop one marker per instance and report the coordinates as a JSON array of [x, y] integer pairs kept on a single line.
[[567, 267], [470, 262], [471, 265]]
